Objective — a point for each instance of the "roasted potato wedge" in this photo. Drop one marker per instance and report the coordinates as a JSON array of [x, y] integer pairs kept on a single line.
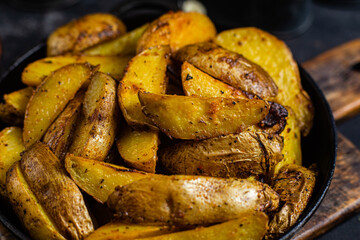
[[146, 71], [189, 200], [275, 57], [51, 97], [236, 155], [99, 179], [198, 118], [59, 135], [83, 33], [229, 67], [248, 226], [123, 45], [37, 71], [56, 192], [177, 29], [26, 206], [10, 148], [138, 148], [95, 134], [13, 110]]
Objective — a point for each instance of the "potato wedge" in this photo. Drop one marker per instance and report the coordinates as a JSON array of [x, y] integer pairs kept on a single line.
[[51, 97], [99, 179], [59, 135], [37, 71], [84, 32], [28, 209], [56, 192], [229, 67], [236, 155], [248, 226], [122, 45], [275, 57], [13, 110], [177, 29], [146, 71], [198, 118], [189, 200], [138, 148], [10, 148]]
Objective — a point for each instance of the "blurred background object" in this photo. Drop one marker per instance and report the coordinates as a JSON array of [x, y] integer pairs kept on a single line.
[[41, 5]]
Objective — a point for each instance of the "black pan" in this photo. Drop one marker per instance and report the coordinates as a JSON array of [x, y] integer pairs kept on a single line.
[[319, 147]]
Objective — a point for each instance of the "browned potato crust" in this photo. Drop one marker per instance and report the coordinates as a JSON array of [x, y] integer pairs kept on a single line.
[[229, 67], [84, 32]]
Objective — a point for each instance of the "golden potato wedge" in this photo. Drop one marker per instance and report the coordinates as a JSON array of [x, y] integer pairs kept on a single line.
[[138, 148], [118, 230], [199, 117], [189, 200], [123, 45], [10, 148], [248, 226], [236, 155], [59, 135], [146, 71], [56, 192], [95, 134], [13, 110], [28, 209], [229, 67], [99, 179], [51, 97], [37, 71], [275, 57], [84, 32], [177, 29]]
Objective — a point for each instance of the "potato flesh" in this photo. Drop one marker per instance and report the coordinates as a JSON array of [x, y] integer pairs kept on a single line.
[[28, 209], [99, 179], [186, 117], [37, 71], [274, 56], [10, 148], [56, 192], [189, 200], [51, 97], [146, 71]]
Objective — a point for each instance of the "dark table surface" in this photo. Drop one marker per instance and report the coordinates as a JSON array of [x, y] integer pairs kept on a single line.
[[21, 29]]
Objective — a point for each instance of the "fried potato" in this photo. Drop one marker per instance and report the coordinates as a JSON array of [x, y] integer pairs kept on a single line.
[[10, 148], [122, 45], [146, 71], [236, 155], [189, 200], [198, 118], [275, 57], [138, 148], [28, 209], [51, 97], [59, 135], [13, 110], [248, 226], [229, 67], [99, 179], [95, 134], [83, 33], [56, 192], [37, 71], [177, 29]]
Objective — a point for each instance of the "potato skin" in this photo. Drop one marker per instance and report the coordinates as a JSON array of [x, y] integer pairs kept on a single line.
[[229, 67], [190, 200], [56, 192], [236, 155]]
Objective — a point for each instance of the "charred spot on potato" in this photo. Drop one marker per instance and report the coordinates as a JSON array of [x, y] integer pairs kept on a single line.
[[277, 115]]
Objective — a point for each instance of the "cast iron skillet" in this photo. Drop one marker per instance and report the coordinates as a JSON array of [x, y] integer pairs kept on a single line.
[[319, 147]]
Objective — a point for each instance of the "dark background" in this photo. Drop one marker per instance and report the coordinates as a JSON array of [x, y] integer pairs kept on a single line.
[[329, 25]]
